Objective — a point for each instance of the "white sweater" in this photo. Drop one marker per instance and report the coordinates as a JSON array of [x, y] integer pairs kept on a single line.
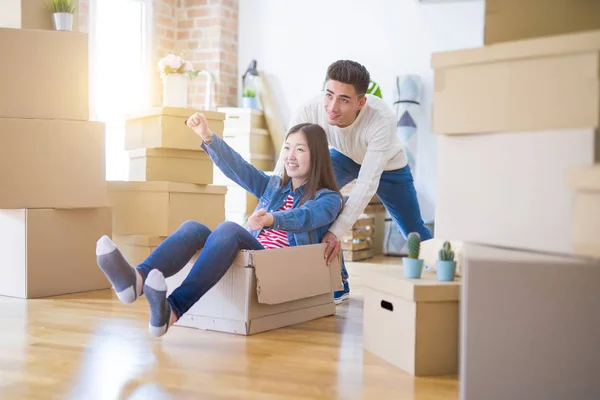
[[370, 141]]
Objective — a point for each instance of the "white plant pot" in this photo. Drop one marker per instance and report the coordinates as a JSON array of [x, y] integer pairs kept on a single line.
[[62, 21], [175, 89]]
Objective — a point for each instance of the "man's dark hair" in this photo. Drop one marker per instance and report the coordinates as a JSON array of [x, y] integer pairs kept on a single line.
[[351, 73]]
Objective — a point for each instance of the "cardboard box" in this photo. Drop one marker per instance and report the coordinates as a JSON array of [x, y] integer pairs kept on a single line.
[[164, 127], [529, 326], [49, 252], [159, 208], [136, 248], [243, 119], [52, 164], [507, 189], [253, 141], [508, 20], [61, 91], [31, 14], [543, 84], [255, 295], [585, 185], [411, 323], [170, 165]]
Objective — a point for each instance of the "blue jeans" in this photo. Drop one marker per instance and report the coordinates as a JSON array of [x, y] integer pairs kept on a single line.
[[396, 191], [219, 250]]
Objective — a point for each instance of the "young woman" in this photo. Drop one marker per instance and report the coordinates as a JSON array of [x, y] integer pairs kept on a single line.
[[294, 211]]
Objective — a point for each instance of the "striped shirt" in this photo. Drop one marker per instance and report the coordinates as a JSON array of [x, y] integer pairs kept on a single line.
[[276, 239]]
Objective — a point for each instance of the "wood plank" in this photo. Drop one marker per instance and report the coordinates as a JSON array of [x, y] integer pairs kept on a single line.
[[274, 123], [358, 234], [363, 222], [360, 245], [90, 345], [358, 255]]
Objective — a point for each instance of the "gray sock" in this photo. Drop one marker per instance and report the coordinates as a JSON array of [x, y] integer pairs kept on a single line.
[[155, 290], [118, 271]]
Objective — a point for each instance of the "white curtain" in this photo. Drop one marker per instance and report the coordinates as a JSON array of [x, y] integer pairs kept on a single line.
[[120, 68]]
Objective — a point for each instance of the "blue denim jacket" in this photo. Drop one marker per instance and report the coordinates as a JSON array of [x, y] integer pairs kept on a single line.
[[304, 225]]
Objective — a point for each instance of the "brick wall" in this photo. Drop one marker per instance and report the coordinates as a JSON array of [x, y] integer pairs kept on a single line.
[[83, 15]]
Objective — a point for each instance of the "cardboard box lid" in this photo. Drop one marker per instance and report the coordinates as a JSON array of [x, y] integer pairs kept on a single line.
[[139, 240], [169, 153], [390, 279], [175, 112], [531, 48], [584, 177], [293, 273], [240, 110], [162, 186]]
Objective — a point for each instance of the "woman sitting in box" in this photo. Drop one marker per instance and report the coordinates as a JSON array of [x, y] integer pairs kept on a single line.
[[294, 211]]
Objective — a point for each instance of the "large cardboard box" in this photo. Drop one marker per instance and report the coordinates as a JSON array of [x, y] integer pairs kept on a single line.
[[411, 323], [159, 208], [47, 76], [31, 14], [48, 252], [136, 248], [542, 84], [164, 127], [254, 141], [584, 183], [243, 119], [508, 20], [255, 295], [171, 165], [52, 164], [529, 326]]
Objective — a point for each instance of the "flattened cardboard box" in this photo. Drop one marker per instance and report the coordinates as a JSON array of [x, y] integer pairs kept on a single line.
[[509, 20], [52, 164], [159, 208], [265, 290], [47, 252], [512, 87], [164, 127], [171, 165], [136, 248], [412, 323], [61, 91]]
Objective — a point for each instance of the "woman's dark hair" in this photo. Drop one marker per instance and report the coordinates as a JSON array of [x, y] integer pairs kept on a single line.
[[320, 175]]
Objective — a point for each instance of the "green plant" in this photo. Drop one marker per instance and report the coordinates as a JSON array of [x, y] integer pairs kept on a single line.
[[446, 253], [61, 6], [414, 245], [247, 92]]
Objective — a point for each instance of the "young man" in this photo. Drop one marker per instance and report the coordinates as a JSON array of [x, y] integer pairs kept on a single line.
[[361, 130]]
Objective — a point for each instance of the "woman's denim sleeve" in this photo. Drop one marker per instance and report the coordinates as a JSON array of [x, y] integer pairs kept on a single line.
[[313, 214]]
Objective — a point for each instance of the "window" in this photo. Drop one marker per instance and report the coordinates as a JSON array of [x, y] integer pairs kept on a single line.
[[120, 68]]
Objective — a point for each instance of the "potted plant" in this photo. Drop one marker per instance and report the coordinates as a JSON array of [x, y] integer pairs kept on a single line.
[[413, 265], [62, 14], [249, 98], [175, 72], [446, 266]]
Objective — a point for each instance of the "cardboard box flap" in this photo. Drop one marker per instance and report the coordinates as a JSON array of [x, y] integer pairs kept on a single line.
[[294, 273], [530, 48], [390, 279], [584, 177], [169, 153], [139, 240], [171, 187], [176, 112]]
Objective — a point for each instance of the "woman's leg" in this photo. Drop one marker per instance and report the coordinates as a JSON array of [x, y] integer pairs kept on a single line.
[[220, 249], [169, 258]]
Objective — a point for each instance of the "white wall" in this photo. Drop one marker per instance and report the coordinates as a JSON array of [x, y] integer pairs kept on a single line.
[[295, 41]]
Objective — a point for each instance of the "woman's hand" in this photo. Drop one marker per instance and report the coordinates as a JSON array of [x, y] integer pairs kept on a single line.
[[260, 219], [199, 125]]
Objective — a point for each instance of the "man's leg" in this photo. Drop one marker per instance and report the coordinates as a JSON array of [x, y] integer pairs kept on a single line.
[[345, 171], [397, 193]]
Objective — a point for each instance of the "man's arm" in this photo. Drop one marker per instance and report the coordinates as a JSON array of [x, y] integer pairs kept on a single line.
[[299, 117], [367, 183]]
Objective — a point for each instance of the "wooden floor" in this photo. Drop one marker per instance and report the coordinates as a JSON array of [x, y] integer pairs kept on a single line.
[[90, 346]]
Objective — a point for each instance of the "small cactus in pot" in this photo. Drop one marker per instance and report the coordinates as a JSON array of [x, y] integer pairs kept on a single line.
[[413, 265], [446, 266]]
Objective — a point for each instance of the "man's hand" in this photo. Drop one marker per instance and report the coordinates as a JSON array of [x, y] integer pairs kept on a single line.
[[199, 125], [259, 219], [333, 247]]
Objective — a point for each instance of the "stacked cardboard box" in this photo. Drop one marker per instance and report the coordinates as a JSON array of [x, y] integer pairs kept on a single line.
[[245, 130], [53, 203], [170, 181]]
